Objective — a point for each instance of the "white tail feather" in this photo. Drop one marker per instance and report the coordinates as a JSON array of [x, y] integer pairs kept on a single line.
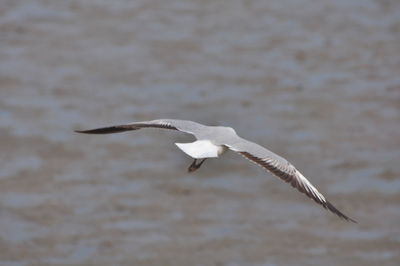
[[201, 149]]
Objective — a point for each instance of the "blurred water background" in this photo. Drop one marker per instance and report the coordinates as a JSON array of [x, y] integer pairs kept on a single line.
[[317, 82]]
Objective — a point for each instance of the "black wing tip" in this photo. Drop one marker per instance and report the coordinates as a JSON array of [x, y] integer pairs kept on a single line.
[[106, 130], [82, 131], [333, 209], [348, 219], [353, 221], [123, 128], [91, 131], [294, 183]]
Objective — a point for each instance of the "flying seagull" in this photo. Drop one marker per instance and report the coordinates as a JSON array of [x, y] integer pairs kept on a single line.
[[212, 141]]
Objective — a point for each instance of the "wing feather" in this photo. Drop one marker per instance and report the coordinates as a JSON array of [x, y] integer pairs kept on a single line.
[[172, 124], [285, 171]]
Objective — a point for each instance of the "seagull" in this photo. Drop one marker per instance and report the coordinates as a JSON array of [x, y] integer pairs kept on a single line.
[[213, 141]]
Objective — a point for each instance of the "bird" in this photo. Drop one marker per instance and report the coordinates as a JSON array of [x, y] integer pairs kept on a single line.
[[213, 141]]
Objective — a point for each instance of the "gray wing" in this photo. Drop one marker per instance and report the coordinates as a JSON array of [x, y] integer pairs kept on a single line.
[[181, 125], [284, 170]]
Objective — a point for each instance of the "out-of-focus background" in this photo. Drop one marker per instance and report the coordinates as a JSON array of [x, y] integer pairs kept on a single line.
[[317, 82]]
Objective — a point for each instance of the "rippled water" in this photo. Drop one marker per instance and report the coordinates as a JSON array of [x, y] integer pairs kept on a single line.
[[315, 81]]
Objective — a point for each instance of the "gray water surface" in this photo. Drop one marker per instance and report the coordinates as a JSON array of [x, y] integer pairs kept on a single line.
[[314, 81]]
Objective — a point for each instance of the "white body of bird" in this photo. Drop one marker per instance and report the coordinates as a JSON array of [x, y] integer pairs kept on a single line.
[[201, 149]]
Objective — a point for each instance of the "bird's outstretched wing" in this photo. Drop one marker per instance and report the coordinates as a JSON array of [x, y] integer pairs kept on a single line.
[[282, 169], [180, 125]]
